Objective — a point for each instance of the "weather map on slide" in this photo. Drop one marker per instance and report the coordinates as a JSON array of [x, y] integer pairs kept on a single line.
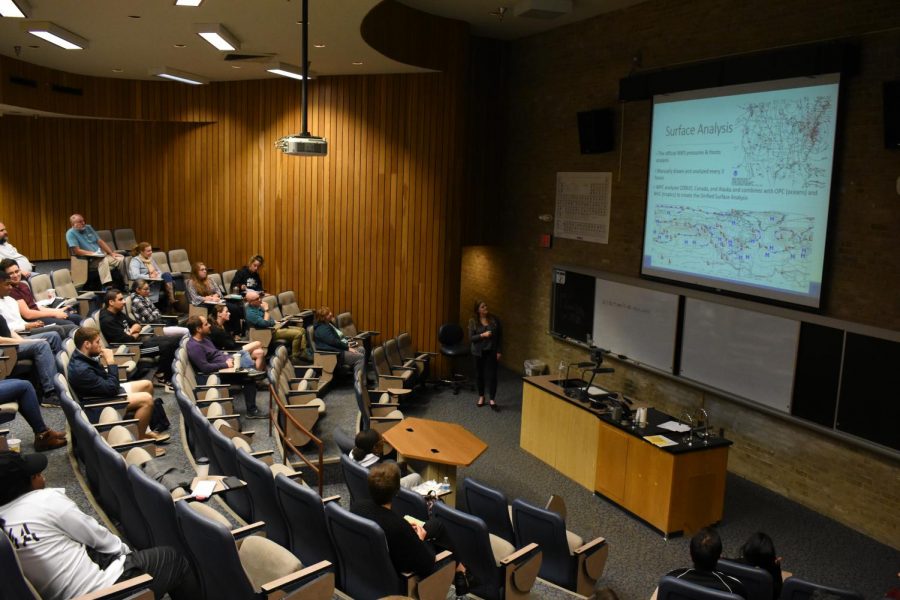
[[786, 141], [766, 248]]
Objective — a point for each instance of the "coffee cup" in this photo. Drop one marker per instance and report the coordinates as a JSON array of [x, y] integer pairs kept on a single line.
[[51, 294], [202, 467], [14, 444]]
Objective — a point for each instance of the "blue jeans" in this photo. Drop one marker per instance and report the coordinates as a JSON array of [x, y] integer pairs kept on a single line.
[[21, 391], [40, 349]]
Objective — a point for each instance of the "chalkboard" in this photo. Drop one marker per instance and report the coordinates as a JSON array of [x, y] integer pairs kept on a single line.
[[746, 353], [573, 305]]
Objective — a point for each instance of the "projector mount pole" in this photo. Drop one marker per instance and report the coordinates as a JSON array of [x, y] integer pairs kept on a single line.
[[304, 49]]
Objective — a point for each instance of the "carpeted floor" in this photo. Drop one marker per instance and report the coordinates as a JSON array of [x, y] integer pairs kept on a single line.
[[813, 547]]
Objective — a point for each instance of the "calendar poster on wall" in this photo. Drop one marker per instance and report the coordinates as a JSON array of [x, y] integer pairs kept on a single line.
[[582, 206]]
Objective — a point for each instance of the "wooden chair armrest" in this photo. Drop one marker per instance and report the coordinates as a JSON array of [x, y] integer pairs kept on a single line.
[[262, 453], [301, 393], [241, 532], [111, 424], [522, 566], [223, 417], [319, 587], [204, 402], [590, 546], [307, 379], [88, 402], [389, 377], [125, 446], [328, 499], [212, 386], [327, 352], [118, 590]]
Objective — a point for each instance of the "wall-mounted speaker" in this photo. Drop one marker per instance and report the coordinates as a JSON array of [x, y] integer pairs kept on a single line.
[[595, 131], [892, 114]]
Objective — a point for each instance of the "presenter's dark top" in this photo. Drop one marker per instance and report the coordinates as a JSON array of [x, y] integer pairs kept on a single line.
[[655, 418], [482, 345]]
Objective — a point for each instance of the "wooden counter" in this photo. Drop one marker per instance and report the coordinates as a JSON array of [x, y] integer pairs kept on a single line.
[[676, 488]]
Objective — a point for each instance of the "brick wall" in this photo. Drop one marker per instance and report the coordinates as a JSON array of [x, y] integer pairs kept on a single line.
[[552, 76]]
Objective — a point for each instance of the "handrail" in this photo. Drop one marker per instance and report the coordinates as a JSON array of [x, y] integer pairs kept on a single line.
[[285, 444]]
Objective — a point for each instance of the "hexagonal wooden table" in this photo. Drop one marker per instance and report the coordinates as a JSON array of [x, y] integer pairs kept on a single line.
[[437, 447]]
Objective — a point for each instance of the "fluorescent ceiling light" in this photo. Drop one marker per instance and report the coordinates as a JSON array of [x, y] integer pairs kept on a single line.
[[188, 2], [15, 8], [286, 70], [55, 35], [176, 75], [218, 36]]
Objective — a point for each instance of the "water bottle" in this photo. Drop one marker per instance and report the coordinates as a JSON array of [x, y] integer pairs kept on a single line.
[[445, 486]]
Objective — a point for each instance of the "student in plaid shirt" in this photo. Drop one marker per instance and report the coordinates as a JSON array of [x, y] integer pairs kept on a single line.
[[145, 311]]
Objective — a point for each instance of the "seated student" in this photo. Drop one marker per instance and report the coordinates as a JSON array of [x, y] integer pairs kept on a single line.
[[118, 328], [39, 347], [200, 289], [248, 277], [64, 553], [145, 311], [28, 307], [328, 337], [206, 359], [142, 266], [222, 340], [368, 451], [407, 542], [22, 392], [93, 372], [82, 240], [257, 314], [706, 548], [7, 250], [9, 310], [759, 551]]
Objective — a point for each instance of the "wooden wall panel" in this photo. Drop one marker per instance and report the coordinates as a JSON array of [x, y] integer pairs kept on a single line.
[[372, 228]]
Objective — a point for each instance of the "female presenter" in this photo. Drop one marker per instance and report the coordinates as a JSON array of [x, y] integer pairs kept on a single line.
[[486, 335]]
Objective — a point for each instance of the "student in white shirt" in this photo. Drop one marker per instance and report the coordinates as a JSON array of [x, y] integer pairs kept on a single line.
[[65, 553]]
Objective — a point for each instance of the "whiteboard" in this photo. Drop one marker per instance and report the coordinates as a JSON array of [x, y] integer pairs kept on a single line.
[[749, 354], [636, 322]]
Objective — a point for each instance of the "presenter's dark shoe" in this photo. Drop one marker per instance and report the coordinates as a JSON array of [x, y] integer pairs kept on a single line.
[[494, 406]]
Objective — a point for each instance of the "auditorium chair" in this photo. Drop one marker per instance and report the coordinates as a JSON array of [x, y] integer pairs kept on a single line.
[[304, 513], [488, 504], [249, 567], [125, 239], [568, 561], [179, 262], [260, 479], [757, 582], [356, 477], [408, 352], [501, 572], [365, 567], [380, 415], [107, 236], [795, 588], [672, 588], [388, 377]]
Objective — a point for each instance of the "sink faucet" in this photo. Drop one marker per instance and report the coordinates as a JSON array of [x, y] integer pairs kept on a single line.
[[689, 438]]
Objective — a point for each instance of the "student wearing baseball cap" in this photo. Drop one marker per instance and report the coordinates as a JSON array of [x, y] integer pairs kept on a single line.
[[64, 552]]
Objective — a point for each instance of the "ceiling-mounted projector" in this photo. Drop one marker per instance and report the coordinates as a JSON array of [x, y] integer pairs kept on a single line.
[[301, 145]]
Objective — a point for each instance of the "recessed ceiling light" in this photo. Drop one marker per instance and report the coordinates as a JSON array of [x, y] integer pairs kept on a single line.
[[14, 8], [188, 2], [357, 62], [318, 45], [180, 45], [134, 16], [220, 38], [34, 46], [117, 70], [55, 34], [235, 66], [176, 75]]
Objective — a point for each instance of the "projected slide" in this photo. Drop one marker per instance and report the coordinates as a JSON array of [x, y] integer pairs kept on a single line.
[[739, 187]]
